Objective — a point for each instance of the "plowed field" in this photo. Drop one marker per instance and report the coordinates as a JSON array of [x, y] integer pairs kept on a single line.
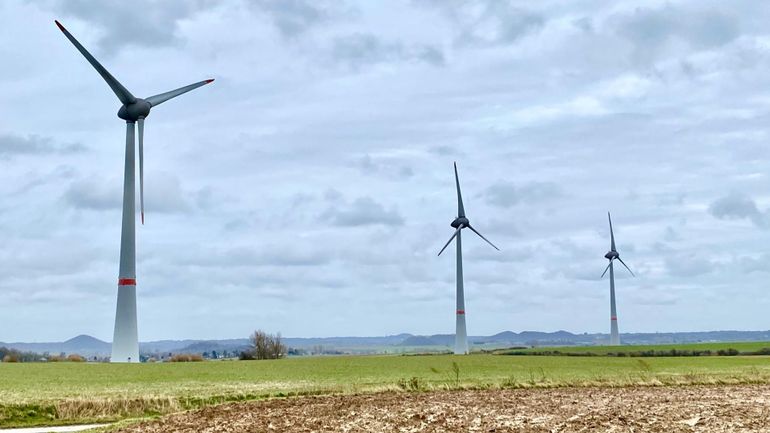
[[629, 409]]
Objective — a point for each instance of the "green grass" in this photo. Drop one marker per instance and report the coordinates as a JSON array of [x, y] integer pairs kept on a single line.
[[742, 347], [60, 393]]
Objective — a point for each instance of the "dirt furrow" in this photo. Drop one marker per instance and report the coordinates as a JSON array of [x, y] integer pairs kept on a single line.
[[639, 409]]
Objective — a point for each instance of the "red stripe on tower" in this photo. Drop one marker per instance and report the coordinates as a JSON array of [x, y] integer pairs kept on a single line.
[[126, 281], [614, 318], [460, 311]]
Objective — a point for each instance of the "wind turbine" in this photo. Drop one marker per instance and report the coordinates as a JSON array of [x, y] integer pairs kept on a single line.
[[612, 255], [125, 342], [461, 222]]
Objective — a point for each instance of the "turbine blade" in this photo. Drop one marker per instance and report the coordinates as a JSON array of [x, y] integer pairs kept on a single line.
[[450, 239], [163, 97], [460, 208], [482, 237], [141, 167], [606, 269], [121, 92], [624, 264], [612, 235]]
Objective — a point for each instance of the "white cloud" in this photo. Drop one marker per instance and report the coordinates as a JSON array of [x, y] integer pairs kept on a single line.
[[311, 182]]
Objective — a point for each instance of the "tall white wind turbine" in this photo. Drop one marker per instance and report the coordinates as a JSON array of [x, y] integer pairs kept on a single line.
[[461, 222], [125, 342], [612, 255]]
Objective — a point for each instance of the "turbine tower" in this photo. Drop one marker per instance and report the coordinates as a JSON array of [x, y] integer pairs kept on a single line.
[[612, 255], [125, 341], [461, 222]]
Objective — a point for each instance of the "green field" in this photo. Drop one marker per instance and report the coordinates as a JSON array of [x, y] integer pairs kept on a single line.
[[742, 347], [60, 393]]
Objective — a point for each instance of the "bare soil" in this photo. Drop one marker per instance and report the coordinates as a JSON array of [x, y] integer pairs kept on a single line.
[[638, 409]]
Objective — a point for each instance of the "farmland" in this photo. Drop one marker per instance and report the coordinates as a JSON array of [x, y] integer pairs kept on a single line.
[[697, 349], [721, 408], [60, 393]]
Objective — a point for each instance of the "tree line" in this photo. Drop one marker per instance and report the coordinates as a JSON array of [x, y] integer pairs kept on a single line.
[[13, 355]]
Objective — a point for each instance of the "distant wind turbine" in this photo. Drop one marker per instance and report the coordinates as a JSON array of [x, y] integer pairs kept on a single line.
[[125, 342], [612, 255], [461, 222]]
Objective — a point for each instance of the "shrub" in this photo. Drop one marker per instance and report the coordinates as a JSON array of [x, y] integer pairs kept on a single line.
[[413, 384], [186, 357], [74, 357], [14, 355]]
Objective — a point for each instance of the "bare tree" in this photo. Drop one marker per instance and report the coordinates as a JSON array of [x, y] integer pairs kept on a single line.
[[266, 346]]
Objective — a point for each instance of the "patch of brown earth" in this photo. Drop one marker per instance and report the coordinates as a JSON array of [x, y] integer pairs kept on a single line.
[[640, 409]]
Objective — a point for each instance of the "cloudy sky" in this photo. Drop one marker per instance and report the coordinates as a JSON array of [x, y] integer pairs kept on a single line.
[[310, 187]]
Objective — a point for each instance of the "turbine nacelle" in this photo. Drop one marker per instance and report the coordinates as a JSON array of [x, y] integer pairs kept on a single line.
[[460, 221], [133, 112], [613, 254]]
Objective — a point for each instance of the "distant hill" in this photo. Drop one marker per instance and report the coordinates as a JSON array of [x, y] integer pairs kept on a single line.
[[188, 346], [506, 338], [388, 340], [214, 346], [89, 346], [565, 338], [419, 340], [82, 344]]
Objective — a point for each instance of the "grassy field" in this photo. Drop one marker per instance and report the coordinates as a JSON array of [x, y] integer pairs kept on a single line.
[[61, 393], [742, 347]]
